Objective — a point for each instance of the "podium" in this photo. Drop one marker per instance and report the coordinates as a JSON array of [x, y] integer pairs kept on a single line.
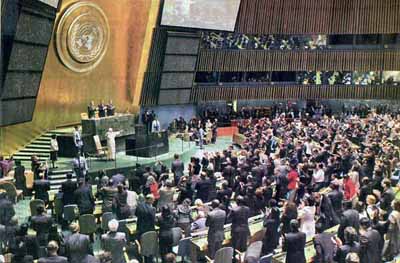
[[98, 126], [147, 145]]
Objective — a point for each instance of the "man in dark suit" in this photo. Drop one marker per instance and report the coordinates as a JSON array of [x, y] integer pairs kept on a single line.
[[229, 174], [53, 257], [370, 243], [83, 197], [68, 188], [336, 198], [215, 222], [240, 225], [350, 217], [41, 223], [19, 176], [324, 244], [146, 215], [177, 167], [294, 244], [41, 188], [203, 187], [386, 198], [6, 209], [114, 242], [77, 246]]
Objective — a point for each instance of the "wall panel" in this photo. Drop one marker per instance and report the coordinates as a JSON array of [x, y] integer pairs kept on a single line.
[[322, 16], [293, 92], [260, 60]]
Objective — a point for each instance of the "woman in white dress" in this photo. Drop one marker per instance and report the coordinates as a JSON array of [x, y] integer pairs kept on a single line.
[[307, 217]]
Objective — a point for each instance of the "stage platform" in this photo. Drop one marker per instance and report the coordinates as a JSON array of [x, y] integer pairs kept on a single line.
[[125, 162]]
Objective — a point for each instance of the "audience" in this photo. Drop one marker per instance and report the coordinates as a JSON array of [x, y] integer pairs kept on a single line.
[[298, 172]]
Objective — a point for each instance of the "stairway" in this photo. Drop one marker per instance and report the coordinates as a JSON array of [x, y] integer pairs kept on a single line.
[[39, 147]]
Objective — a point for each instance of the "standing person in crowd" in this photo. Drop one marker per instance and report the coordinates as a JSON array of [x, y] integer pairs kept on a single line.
[[114, 242], [184, 216], [393, 232], [215, 222], [120, 203], [201, 134], [52, 256], [167, 193], [306, 215], [350, 245], [77, 246], [325, 245], [110, 135], [53, 150], [177, 167], [294, 243], [350, 218], [68, 188], [106, 193], [41, 223], [146, 215], [151, 187], [155, 125], [240, 226], [83, 197], [19, 176], [386, 198], [293, 177], [166, 222], [271, 223], [42, 188], [78, 141], [369, 243]]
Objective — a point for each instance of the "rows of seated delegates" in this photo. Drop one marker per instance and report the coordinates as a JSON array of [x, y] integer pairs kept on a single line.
[[324, 189]]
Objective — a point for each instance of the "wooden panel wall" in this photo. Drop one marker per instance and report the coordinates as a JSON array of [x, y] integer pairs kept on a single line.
[[322, 16], [259, 60], [213, 93], [152, 77]]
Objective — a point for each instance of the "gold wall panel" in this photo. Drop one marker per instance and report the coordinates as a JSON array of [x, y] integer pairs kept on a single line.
[[64, 94]]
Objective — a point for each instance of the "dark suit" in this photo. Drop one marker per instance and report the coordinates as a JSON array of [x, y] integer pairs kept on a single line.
[[6, 210], [41, 224], [77, 246], [83, 197], [53, 259], [203, 189], [146, 216], [177, 167], [27, 246], [114, 243], [215, 221], [240, 227], [271, 237], [68, 188], [294, 244], [370, 247], [41, 188], [336, 198], [20, 179], [386, 201], [349, 218], [325, 248]]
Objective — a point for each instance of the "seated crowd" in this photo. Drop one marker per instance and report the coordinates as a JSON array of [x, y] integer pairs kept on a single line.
[[303, 176]]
